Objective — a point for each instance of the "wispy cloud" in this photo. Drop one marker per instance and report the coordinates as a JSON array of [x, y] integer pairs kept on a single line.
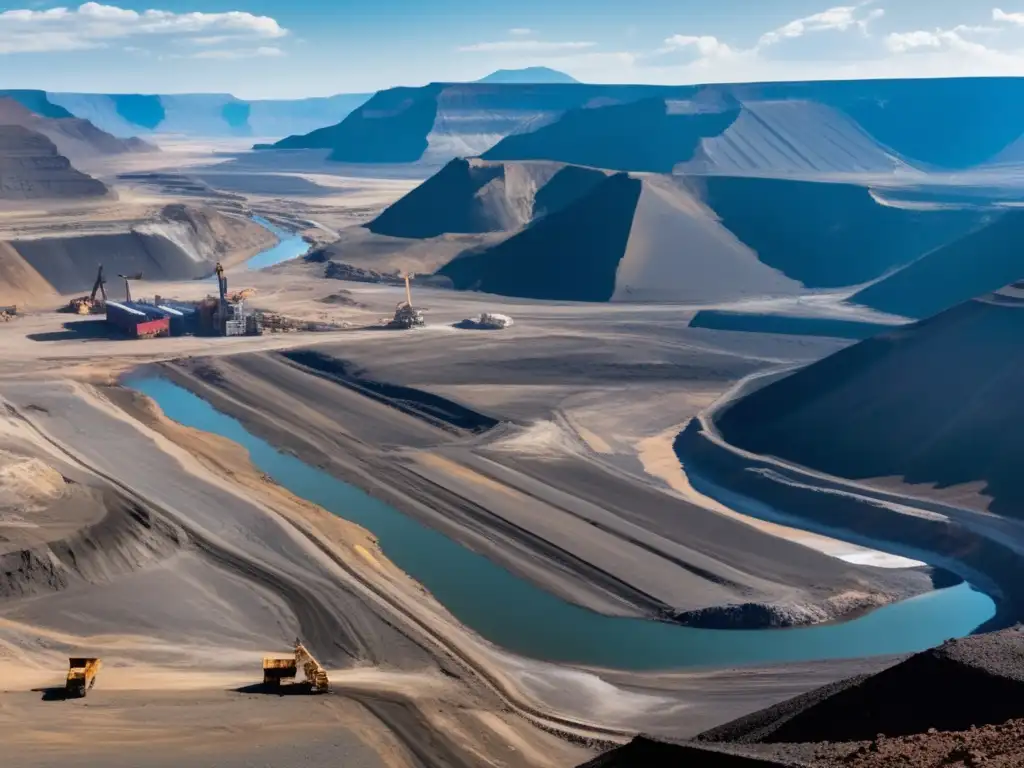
[[520, 31], [1010, 18], [704, 45], [264, 51], [523, 46], [93, 25], [839, 19], [977, 47]]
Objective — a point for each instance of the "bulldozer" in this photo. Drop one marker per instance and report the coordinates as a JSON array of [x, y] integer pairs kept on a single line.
[[275, 670], [81, 676], [88, 305]]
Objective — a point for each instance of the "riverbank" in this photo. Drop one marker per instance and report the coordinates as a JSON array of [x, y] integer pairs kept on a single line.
[[487, 477], [983, 549]]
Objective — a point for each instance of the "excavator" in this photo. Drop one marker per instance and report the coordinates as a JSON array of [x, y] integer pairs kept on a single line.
[[81, 676], [277, 669], [88, 305]]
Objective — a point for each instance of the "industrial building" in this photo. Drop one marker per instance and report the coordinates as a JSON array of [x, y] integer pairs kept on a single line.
[[221, 316], [136, 322]]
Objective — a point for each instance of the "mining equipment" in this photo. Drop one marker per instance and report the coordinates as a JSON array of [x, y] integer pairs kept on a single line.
[[138, 321], [88, 305], [276, 670], [230, 317], [491, 321], [406, 316], [81, 676], [127, 288]]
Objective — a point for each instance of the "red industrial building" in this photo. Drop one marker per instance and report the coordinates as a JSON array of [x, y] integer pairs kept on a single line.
[[136, 323]]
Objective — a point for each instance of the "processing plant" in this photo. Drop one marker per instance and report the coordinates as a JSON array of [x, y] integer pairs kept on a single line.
[[221, 316]]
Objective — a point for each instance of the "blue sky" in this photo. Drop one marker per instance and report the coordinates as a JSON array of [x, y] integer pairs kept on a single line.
[[293, 48]]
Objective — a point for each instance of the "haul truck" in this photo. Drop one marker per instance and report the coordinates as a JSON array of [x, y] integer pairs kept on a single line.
[[81, 676], [276, 670]]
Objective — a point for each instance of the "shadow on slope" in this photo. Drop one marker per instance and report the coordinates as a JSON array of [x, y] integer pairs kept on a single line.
[[794, 325], [936, 403], [643, 135], [827, 235], [982, 261], [573, 254], [473, 196], [973, 681], [391, 127]]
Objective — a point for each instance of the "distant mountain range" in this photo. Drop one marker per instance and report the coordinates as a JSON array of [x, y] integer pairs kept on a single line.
[[876, 126], [222, 115], [202, 114], [528, 75]]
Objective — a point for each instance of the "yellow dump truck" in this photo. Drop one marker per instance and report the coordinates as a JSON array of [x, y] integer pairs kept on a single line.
[[81, 676], [277, 669]]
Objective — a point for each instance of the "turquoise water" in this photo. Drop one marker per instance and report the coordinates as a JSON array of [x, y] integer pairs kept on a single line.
[[290, 247], [513, 613]]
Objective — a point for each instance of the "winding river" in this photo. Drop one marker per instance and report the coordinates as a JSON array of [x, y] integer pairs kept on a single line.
[[289, 247], [521, 617]]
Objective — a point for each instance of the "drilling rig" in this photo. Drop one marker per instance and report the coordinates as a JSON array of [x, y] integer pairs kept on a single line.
[[407, 316], [88, 305]]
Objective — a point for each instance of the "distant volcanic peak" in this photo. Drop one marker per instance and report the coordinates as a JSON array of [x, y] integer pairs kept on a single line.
[[532, 75]]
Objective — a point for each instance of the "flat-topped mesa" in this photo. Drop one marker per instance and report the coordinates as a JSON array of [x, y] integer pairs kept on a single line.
[[797, 128]]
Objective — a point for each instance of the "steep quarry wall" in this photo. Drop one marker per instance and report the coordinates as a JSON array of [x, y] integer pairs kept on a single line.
[[983, 260], [828, 235], [572, 254], [31, 168], [181, 243], [20, 283], [475, 196], [935, 404]]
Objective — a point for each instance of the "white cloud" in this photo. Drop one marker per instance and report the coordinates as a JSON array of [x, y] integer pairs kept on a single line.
[[840, 19], [520, 31], [901, 42], [706, 45], [968, 49], [93, 25], [1010, 18], [523, 46]]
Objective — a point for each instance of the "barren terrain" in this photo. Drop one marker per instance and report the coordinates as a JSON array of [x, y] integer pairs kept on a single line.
[[547, 448]]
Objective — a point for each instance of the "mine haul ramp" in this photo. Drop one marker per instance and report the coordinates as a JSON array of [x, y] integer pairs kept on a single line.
[[81, 676], [275, 670]]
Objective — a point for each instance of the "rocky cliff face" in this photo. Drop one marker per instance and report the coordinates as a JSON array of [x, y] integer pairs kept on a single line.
[[31, 168]]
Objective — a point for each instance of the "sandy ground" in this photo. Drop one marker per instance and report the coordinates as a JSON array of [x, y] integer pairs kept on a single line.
[[178, 563]]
